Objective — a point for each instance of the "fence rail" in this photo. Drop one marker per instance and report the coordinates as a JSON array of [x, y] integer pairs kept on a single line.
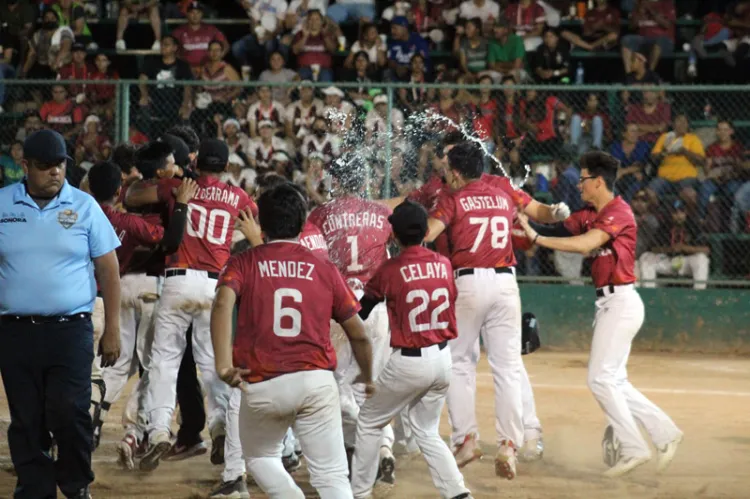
[[687, 189]]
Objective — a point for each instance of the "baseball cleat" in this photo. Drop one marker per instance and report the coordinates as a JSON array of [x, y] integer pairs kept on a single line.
[[387, 470], [217, 449], [532, 450], [625, 465], [159, 444], [611, 450], [126, 451], [505, 461], [468, 451], [666, 454], [180, 452], [236, 489], [291, 463]]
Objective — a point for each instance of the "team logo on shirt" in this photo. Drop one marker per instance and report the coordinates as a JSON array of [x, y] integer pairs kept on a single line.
[[12, 218], [67, 218]]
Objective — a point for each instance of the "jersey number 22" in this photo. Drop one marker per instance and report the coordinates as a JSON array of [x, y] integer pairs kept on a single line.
[[441, 295]]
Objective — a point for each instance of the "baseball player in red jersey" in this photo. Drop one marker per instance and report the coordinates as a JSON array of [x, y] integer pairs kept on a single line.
[[105, 184], [357, 233], [477, 215], [606, 231], [189, 288], [283, 357], [420, 293]]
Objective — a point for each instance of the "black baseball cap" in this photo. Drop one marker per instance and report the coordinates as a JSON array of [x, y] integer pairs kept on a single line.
[[78, 47], [46, 146], [180, 149], [213, 152], [194, 6], [409, 222]]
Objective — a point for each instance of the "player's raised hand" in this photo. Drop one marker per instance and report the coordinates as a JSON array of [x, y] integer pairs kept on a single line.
[[523, 221], [232, 376], [186, 191], [246, 224]]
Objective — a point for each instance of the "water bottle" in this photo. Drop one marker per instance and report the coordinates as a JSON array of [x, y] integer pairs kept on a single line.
[[579, 74]]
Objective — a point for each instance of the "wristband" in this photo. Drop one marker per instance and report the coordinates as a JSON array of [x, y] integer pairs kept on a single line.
[[535, 238]]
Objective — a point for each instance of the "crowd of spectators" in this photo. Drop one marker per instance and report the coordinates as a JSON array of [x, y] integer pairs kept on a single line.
[[297, 130]]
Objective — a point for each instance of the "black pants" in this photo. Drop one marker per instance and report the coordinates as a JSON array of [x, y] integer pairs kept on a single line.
[[190, 398], [46, 370]]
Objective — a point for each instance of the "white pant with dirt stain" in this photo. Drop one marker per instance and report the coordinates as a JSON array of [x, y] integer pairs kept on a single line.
[[488, 303], [619, 317], [308, 401], [184, 299], [418, 384], [696, 265], [532, 428]]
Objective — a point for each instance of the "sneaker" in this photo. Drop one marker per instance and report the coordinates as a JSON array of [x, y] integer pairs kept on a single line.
[[82, 494], [218, 436], [692, 71], [236, 489], [532, 450], [291, 462], [126, 451], [666, 454], [466, 495], [98, 390], [387, 471], [142, 447], [120, 45], [505, 461], [468, 451], [180, 452], [159, 444], [625, 465], [156, 47]]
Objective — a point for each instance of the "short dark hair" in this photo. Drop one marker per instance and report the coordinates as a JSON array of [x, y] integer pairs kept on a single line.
[[123, 155], [170, 37], [409, 222], [105, 178], [601, 164], [188, 135], [270, 181], [467, 159], [152, 157], [217, 42], [282, 212], [725, 120]]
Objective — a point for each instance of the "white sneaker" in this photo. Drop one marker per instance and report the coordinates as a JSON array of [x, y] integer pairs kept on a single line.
[[625, 465], [666, 454], [532, 450], [506, 461], [156, 47], [120, 45], [468, 451], [158, 444], [692, 71]]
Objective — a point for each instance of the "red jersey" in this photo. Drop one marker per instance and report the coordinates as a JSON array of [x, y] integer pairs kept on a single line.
[[600, 21], [647, 25], [614, 263], [287, 297], [71, 71], [312, 239], [313, 52], [102, 92], [133, 231], [357, 232], [427, 196], [545, 123], [420, 293], [210, 223], [478, 219], [523, 19], [725, 158], [485, 116], [662, 114], [61, 117], [194, 42]]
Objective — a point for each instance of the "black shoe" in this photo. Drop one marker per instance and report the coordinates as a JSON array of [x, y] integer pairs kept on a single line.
[[217, 450], [236, 489], [82, 494], [97, 404], [291, 462], [463, 496], [387, 470]]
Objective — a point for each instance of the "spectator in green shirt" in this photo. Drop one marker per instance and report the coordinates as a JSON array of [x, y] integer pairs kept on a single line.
[[12, 171], [506, 51]]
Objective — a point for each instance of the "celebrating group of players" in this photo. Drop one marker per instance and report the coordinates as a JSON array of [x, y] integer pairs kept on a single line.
[[336, 345]]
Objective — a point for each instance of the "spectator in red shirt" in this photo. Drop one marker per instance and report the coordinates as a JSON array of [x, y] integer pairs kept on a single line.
[[314, 46], [77, 69], [194, 38], [527, 19], [130, 9], [539, 114], [655, 23], [62, 114], [136, 137], [723, 167], [590, 127], [101, 97], [601, 28], [92, 145], [486, 112], [652, 116]]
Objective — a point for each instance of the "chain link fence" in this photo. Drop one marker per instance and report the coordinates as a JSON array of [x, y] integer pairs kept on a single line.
[[685, 167]]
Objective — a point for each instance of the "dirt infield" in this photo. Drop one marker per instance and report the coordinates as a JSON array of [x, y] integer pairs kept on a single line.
[[708, 397]]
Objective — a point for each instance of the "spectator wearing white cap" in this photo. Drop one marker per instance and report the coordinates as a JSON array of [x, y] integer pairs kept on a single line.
[[281, 163], [92, 145], [338, 111], [376, 125], [317, 180], [265, 109], [263, 148], [320, 141], [231, 132], [238, 174], [301, 113], [314, 47]]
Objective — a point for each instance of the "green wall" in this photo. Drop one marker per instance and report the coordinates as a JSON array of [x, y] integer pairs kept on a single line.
[[677, 319]]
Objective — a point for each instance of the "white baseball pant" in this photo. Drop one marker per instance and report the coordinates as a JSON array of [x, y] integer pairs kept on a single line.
[[532, 428], [234, 463], [487, 303], [619, 316], [184, 299], [652, 264], [418, 384], [309, 402]]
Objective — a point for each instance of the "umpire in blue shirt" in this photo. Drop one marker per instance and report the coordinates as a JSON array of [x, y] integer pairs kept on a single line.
[[53, 240]]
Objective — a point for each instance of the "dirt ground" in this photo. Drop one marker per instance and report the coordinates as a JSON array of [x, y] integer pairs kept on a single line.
[[708, 397]]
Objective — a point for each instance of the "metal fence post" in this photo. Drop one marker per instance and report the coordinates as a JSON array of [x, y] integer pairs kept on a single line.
[[389, 137], [124, 111]]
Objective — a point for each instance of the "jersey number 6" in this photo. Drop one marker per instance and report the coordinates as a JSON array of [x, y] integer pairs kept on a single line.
[[216, 217], [424, 297], [498, 228], [280, 312]]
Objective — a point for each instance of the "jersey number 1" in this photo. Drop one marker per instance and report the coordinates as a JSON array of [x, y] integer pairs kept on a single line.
[[219, 217], [354, 252], [498, 227]]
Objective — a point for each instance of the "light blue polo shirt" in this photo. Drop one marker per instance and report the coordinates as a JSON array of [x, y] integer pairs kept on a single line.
[[46, 265]]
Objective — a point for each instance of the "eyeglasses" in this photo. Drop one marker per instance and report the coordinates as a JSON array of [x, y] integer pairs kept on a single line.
[[583, 179]]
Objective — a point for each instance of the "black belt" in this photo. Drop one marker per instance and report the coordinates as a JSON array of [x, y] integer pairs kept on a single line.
[[610, 287], [498, 270], [417, 352], [174, 272], [44, 319]]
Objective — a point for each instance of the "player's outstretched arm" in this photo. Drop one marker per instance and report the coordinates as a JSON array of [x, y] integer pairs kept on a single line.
[[391, 203], [547, 213], [141, 194], [361, 348], [434, 228], [221, 336], [584, 243]]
